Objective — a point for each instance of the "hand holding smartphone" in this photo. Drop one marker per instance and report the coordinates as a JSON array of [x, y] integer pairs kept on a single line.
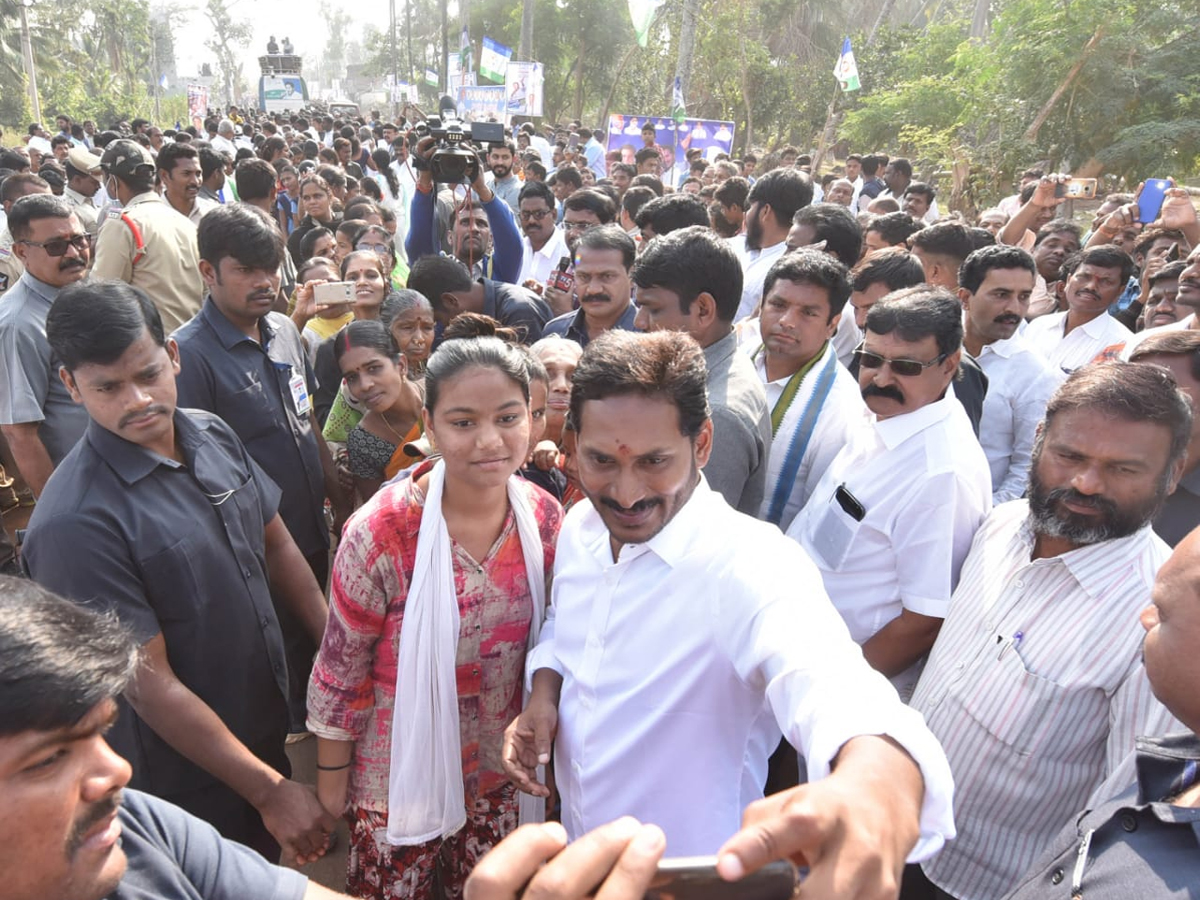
[[1150, 200], [333, 293]]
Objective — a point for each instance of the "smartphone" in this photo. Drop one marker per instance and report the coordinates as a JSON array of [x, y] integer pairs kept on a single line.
[[573, 141], [1081, 188], [696, 878], [333, 293], [1151, 200]]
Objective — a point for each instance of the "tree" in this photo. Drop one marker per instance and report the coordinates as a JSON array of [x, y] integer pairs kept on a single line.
[[228, 38]]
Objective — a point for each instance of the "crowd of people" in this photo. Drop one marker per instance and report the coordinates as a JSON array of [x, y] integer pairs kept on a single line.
[[588, 511]]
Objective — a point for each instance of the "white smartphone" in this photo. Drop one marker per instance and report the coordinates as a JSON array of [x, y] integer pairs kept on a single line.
[[333, 293]]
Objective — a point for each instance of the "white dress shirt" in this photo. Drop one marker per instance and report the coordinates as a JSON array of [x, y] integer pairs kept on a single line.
[[538, 264], [224, 145], [755, 265], [1081, 346], [842, 408], [1036, 689], [1020, 384], [924, 486], [678, 660]]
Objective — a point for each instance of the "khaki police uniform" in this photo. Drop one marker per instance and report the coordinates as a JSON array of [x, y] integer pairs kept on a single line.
[[168, 263]]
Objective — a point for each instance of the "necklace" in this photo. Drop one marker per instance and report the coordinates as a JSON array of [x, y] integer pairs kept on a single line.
[[398, 435]]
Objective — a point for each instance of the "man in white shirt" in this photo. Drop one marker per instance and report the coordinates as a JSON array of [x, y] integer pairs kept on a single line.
[[891, 520], [223, 142], [772, 202], [1094, 281], [684, 635], [995, 284], [544, 245], [813, 399], [897, 175], [1035, 685]]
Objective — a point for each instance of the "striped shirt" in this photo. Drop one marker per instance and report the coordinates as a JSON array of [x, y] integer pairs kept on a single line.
[[1035, 688]]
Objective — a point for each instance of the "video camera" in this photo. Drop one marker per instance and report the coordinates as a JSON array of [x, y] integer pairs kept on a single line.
[[451, 162]]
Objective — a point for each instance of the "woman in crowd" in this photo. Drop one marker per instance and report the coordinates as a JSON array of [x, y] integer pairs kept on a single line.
[[345, 237], [318, 242], [316, 200], [375, 374], [378, 239], [441, 578], [317, 324], [408, 316]]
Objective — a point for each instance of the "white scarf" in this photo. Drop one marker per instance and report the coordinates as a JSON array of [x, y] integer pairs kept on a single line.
[[425, 786]]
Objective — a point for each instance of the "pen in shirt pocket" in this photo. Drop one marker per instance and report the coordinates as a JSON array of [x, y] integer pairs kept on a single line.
[[1013, 642]]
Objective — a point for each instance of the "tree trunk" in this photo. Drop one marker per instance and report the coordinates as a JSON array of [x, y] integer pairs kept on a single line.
[[1044, 113], [603, 121], [885, 10], [525, 50], [979, 21], [579, 77], [444, 70], [687, 44]]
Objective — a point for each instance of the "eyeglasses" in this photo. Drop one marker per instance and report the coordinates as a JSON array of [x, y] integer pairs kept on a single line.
[[576, 226], [905, 368], [58, 246], [535, 215], [377, 248]]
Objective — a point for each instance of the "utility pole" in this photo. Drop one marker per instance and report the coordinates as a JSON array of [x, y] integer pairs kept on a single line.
[[395, 64], [412, 72], [687, 44], [35, 104], [445, 71]]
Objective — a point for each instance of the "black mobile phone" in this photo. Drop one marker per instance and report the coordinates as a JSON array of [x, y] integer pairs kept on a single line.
[[696, 878], [849, 503]]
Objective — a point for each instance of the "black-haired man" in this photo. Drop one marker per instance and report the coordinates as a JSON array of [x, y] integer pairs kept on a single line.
[[451, 290], [773, 201], [684, 636], [995, 285], [246, 363], [891, 520], [37, 416], [603, 263], [691, 281], [161, 516]]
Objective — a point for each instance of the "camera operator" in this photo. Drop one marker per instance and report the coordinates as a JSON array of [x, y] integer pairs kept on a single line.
[[471, 236]]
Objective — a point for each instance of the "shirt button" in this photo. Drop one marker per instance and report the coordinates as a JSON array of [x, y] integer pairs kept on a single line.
[[265, 622], [1128, 822], [1056, 877], [246, 572], [1020, 585]]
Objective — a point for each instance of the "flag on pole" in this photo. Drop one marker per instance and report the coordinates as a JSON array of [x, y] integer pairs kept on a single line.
[[493, 60], [678, 107], [846, 69], [431, 77], [642, 12], [464, 53]]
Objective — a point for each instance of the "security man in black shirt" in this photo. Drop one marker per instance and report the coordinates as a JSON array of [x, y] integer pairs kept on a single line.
[[161, 516]]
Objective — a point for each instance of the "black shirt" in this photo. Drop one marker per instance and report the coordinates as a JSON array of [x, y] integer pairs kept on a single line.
[[573, 325], [1138, 845], [515, 307], [176, 549], [175, 855], [246, 383]]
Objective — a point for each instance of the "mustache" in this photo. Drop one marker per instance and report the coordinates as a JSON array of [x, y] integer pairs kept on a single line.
[[96, 814], [71, 263], [599, 298], [890, 391], [1090, 501], [153, 408], [1007, 319], [640, 506]]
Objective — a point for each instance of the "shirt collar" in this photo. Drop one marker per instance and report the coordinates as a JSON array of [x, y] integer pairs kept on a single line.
[[1080, 562], [1005, 349], [678, 537], [130, 461], [72, 194], [39, 288], [721, 350], [898, 429], [227, 333], [1166, 765]]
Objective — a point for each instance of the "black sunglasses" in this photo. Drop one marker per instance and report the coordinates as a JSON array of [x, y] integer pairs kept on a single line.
[[58, 246], [905, 368]]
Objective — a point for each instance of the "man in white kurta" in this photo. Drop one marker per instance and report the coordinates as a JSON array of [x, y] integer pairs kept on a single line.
[[681, 657]]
